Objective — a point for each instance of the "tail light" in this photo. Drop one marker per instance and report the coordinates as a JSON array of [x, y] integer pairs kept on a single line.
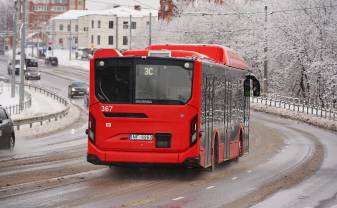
[[193, 131], [92, 129]]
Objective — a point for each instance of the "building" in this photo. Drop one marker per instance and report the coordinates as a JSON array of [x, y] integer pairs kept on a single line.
[[103, 29], [41, 11]]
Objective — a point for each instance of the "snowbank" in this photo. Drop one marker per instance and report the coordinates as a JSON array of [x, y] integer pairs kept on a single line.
[[47, 127], [41, 105], [310, 119]]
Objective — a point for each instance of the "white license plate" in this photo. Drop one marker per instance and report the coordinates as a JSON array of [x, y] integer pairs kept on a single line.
[[146, 137]]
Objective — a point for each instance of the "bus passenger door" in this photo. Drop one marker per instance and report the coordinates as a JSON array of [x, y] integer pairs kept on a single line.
[[207, 116]]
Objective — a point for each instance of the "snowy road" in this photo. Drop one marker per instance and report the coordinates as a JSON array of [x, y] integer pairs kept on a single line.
[[52, 171]]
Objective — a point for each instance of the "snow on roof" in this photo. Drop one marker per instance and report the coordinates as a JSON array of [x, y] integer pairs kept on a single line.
[[120, 11], [74, 14]]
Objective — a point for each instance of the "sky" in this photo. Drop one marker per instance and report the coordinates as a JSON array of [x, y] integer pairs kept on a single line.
[[106, 4]]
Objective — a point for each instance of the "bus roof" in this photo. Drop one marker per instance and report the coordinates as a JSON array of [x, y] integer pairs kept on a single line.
[[215, 53]]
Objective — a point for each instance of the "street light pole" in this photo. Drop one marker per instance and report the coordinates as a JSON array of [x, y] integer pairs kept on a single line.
[[70, 41], [265, 65], [14, 50], [150, 24], [23, 40]]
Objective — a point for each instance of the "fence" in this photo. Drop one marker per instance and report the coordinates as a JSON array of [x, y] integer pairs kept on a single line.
[[17, 109], [49, 117], [298, 105]]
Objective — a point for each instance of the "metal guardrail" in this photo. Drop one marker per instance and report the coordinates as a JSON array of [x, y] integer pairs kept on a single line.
[[17, 109], [298, 105], [49, 117]]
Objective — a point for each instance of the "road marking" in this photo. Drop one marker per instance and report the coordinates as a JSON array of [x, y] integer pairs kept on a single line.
[[72, 131], [249, 171], [234, 178], [210, 187], [178, 198]]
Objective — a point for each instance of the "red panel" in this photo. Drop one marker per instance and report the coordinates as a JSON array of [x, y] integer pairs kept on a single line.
[[106, 53], [221, 152], [234, 149], [142, 157]]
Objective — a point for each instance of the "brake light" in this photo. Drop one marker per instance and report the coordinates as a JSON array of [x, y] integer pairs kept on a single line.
[[193, 131], [92, 129]]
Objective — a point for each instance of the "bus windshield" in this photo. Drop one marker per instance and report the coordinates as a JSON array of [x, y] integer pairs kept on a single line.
[[144, 82]]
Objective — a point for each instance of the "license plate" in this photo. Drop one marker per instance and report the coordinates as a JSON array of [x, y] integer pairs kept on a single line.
[[146, 137]]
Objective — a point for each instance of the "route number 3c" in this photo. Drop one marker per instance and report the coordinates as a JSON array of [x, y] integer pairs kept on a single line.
[[106, 108], [148, 71]]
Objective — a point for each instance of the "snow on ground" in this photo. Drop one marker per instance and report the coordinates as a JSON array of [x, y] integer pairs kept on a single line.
[[63, 59], [47, 127], [5, 95], [41, 105], [310, 119]]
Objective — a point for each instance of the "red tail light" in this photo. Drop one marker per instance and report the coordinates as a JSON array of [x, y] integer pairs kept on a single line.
[[92, 129]]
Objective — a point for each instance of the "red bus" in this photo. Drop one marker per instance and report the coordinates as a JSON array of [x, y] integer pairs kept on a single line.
[[169, 104]]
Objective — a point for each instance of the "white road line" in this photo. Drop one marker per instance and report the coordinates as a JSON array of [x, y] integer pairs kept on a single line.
[[72, 131], [234, 178], [249, 171], [210, 187], [178, 198]]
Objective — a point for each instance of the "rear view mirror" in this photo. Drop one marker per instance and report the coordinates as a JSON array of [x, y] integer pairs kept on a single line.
[[251, 84]]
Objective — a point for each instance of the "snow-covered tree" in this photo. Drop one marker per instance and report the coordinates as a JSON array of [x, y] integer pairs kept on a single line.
[[301, 38]]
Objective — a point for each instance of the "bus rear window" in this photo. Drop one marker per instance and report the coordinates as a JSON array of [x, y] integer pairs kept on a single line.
[[138, 81], [113, 84], [163, 84]]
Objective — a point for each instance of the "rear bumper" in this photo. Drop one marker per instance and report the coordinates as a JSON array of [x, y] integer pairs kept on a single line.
[[190, 157]]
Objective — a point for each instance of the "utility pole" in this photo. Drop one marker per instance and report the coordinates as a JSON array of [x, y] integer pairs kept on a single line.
[[117, 32], [70, 42], [265, 65], [130, 32], [23, 40], [53, 38], [150, 23], [14, 49]]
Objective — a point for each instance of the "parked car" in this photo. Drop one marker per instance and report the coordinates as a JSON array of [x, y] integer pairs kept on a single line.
[[51, 60], [77, 88], [7, 134], [32, 73]]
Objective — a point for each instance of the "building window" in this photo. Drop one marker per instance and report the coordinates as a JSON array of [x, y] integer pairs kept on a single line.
[[69, 28], [125, 25], [61, 41], [76, 28], [76, 40], [133, 25], [111, 40], [92, 23], [125, 40], [99, 24], [111, 24], [92, 39], [61, 27], [98, 40]]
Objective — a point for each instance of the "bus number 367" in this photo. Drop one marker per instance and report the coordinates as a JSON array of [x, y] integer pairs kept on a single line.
[[106, 108]]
